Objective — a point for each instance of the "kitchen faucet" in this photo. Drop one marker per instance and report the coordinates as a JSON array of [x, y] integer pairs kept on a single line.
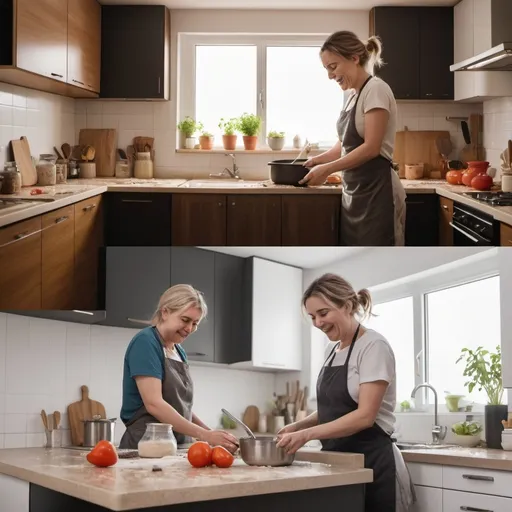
[[438, 432], [227, 172]]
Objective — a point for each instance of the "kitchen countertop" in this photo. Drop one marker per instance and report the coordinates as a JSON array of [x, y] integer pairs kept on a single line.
[[77, 190], [481, 458], [131, 484]]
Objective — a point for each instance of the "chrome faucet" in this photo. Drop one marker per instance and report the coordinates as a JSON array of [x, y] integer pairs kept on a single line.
[[228, 172], [438, 432]]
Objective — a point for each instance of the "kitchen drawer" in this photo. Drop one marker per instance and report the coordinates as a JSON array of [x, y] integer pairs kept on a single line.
[[454, 501], [506, 235], [428, 499], [484, 481], [430, 475]]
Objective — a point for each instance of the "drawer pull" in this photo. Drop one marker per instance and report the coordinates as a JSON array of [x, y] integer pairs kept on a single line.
[[197, 354], [61, 219], [136, 201], [279, 365], [479, 477], [445, 207], [474, 509], [19, 236], [78, 82], [89, 207], [56, 74]]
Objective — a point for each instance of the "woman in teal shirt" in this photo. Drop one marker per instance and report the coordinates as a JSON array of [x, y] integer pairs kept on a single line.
[[157, 386]]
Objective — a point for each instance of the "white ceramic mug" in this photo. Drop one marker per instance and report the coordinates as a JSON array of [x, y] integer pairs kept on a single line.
[[506, 183]]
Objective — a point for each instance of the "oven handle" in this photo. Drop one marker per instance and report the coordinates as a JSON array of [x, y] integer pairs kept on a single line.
[[464, 233]]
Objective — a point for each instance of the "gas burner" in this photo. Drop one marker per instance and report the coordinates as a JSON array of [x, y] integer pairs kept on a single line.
[[492, 198]]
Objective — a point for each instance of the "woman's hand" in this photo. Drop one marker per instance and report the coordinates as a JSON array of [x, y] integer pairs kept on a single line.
[[221, 438], [293, 441], [310, 162], [292, 427], [316, 176]]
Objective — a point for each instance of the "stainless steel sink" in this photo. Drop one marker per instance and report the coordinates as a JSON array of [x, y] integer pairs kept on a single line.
[[11, 205], [424, 446], [229, 183]]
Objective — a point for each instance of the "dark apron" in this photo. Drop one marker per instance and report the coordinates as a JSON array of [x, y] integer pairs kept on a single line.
[[367, 217], [177, 391], [334, 401]]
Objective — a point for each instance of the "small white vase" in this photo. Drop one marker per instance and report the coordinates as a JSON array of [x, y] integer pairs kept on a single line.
[[190, 143]]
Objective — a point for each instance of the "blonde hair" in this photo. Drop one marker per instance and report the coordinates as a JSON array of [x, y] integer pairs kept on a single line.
[[338, 291], [178, 298], [347, 45]]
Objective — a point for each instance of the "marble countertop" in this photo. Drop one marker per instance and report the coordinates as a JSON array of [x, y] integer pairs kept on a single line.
[[77, 190], [132, 484], [481, 458]]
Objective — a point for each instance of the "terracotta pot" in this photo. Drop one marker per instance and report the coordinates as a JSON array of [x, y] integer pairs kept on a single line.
[[250, 142], [482, 182], [229, 142], [454, 177], [206, 142], [474, 168]]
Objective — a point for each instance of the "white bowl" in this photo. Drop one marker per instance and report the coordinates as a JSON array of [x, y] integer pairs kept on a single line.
[[467, 441]]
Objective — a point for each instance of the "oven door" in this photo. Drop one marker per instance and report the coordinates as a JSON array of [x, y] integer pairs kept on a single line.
[[464, 237]]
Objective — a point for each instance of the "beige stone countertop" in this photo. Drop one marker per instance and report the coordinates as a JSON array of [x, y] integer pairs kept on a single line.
[[481, 458], [131, 484], [76, 190]]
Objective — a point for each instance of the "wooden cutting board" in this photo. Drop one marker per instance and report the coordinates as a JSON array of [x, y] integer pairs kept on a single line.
[[413, 147], [23, 158], [104, 141], [85, 409]]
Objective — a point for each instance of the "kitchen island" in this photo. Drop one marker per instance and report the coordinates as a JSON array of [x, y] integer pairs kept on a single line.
[[55, 480]]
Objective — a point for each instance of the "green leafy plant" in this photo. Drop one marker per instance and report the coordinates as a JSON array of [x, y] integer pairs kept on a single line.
[[205, 133], [189, 126], [484, 370], [229, 126], [275, 135], [249, 124], [467, 428], [405, 405]]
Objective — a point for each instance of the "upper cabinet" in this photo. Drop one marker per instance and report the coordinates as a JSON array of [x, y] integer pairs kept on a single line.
[[51, 45], [84, 44], [135, 52], [417, 50]]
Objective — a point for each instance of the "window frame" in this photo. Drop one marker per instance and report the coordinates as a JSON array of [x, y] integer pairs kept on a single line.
[[187, 65]]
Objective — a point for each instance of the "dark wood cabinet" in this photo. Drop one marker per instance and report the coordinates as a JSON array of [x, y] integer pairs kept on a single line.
[[253, 220], [198, 219], [135, 52], [422, 218], [138, 219], [445, 218], [417, 50], [505, 235], [311, 221]]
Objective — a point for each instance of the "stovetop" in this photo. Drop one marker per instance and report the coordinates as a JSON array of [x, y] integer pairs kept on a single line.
[[492, 198]]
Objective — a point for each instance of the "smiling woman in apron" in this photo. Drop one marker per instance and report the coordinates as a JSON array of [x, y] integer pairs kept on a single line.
[[356, 394], [373, 197], [157, 386]]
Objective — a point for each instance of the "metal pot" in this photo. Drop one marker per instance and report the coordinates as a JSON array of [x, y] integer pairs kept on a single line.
[[283, 172], [97, 430], [263, 451]]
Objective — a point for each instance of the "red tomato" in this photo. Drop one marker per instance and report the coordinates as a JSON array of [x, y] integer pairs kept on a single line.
[[35, 191], [221, 457], [103, 455], [482, 182], [200, 454], [454, 177]]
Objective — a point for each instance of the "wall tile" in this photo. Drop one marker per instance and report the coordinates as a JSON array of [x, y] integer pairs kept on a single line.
[[15, 440]]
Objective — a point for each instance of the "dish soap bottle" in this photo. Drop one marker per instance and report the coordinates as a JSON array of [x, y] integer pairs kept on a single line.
[[297, 142]]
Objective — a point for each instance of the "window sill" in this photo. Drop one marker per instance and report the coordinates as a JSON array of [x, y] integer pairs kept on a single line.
[[220, 151]]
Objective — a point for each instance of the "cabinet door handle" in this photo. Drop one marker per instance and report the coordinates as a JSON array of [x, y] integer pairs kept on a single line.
[[233, 203], [472, 238], [428, 94], [474, 509], [278, 365], [158, 85], [445, 207], [197, 354], [20, 236], [59, 220], [56, 74], [137, 321], [136, 201], [78, 82], [220, 204], [479, 477], [88, 207]]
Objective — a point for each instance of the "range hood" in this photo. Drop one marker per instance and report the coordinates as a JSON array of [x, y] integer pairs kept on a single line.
[[76, 316], [498, 58]]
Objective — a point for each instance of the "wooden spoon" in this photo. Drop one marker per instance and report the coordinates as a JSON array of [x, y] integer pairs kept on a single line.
[[56, 419], [66, 150], [45, 419], [88, 153]]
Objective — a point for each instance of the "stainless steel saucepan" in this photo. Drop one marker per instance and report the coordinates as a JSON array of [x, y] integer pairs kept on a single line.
[[98, 429], [260, 451]]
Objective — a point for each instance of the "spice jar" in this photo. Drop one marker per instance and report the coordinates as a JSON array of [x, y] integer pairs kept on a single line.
[[122, 169], [61, 170], [158, 441], [143, 166], [46, 170], [11, 183]]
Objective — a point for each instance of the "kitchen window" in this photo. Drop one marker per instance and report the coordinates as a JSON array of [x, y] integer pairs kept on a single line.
[[280, 79]]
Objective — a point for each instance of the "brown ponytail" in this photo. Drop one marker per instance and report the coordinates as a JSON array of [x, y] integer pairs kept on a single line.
[[365, 303]]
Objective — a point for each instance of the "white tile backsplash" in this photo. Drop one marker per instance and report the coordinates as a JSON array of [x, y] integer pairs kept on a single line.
[[497, 128], [43, 363]]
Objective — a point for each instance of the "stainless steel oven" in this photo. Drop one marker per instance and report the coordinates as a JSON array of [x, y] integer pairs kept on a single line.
[[473, 227]]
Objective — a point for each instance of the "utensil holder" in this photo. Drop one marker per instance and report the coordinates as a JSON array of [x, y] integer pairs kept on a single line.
[[87, 170], [278, 423], [53, 438]]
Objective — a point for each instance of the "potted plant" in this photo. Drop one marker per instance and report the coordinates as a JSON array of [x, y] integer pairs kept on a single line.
[[250, 126], [484, 371], [229, 128], [188, 128], [405, 406], [275, 140], [206, 140], [467, 433]]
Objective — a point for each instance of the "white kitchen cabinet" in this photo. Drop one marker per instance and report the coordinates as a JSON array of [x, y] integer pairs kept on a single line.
[[482, 481], [275, 317], [14, 494], [455, 501], [429, 499], [430, 475], [506, 317]]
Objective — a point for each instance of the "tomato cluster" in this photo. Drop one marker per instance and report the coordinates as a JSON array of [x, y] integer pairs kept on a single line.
[[201, 454]]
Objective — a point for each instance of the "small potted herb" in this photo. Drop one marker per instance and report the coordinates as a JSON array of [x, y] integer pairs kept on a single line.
[[250, 126], [484, 371], [405, 406], [467, 433], [188, 128], [275, 140], [206, 140], [229, 128]]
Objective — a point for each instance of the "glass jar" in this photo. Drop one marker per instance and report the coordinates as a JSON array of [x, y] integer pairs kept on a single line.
[[158, 441], [123, 169], [11, 182], [46, 170], [143, 166], [61, 170]]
